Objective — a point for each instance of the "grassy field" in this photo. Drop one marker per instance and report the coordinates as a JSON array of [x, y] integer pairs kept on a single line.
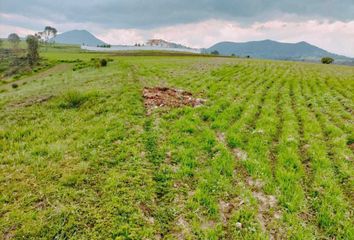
[[268, 156]]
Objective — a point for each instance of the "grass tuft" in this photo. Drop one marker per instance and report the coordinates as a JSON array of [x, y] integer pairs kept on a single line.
[[75, 99]]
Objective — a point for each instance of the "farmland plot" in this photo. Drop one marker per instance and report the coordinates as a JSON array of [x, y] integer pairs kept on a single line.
[[267, 155]]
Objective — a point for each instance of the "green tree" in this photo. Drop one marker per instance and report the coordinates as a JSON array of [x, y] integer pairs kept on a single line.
[[14, 39], [32, 49], [47, 34], [327, 60], [215, 52]]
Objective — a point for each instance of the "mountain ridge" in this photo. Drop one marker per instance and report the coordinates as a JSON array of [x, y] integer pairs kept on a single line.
[[78, 37], [270, 49]]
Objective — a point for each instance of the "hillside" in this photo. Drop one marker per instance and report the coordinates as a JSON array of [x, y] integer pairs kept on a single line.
[[269, 49], [78, 37], [174, 147]]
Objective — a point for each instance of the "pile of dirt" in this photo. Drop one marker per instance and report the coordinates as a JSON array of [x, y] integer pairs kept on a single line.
[[168, 97]]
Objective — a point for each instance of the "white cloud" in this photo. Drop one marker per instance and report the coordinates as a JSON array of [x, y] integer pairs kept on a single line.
[[15, 18], [5, 30], [123, 36]]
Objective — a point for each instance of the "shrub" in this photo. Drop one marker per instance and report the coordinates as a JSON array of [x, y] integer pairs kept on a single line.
[[103, 62], [14, 85], [94, 62], [73, 99], [327, 60]]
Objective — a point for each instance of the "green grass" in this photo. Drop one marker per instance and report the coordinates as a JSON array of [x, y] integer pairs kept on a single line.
[[267, 156]]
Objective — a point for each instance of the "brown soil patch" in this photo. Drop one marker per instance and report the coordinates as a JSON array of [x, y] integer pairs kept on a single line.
[[240, 154], [183, 229], [168, 97], [237, 152], [268, 210], [221, 137], [226, 208], [8, 234], [351, 146], [147, 213]]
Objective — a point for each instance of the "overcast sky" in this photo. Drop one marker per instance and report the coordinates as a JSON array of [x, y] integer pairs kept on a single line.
[[328, 24]]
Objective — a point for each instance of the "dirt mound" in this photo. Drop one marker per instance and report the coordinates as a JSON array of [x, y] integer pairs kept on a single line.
[[168, 97]]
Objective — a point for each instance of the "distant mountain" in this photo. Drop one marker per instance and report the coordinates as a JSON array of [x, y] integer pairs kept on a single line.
[[268, 49], [78, 37]]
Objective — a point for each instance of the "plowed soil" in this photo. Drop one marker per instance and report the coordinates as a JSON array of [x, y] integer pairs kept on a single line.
[[168, 97]]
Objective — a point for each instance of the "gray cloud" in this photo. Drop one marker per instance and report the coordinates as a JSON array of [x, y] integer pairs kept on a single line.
[[157, 13]]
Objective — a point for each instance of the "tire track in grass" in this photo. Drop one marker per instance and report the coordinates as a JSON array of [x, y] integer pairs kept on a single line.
[[327, 200], [155, 210], [160, 211]]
